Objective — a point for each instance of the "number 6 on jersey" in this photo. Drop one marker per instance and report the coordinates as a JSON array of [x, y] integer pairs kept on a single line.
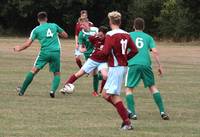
[[139, 42]]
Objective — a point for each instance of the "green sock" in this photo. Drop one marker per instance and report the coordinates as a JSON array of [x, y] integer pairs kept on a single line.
[[27, 81], [130, 103], [158, 100], [100, 77], [55, 83], [95, 82]]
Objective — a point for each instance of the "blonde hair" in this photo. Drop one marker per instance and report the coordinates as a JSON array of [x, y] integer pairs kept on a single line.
[[115, 17]]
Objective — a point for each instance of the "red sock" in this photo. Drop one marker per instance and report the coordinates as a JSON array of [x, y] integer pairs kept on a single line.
[[122, 112], [78, 62], [102, 85], [71, 80]]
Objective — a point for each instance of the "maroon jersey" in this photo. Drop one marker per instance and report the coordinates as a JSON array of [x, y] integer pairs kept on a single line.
[[119, 47], [78, 27], [98, 46]]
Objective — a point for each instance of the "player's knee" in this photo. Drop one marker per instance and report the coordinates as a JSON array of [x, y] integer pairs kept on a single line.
[[104, 77], [56, 73], [35, 70], [105, 95], [129, 91], [78, 57], [80, 73], [153, 89]]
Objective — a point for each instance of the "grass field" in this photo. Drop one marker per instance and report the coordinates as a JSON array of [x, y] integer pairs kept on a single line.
[[80, 114]]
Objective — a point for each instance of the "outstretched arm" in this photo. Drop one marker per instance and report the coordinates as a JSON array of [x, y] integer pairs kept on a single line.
[[76, 42], [157, 59], [24, 46]]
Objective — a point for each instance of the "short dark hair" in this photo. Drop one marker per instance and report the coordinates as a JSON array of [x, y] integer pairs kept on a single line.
[[103, 29], [83, 12], [42, 15], [139, 23]]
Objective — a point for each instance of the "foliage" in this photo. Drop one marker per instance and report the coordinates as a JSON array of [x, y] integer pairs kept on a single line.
[[177, 19]]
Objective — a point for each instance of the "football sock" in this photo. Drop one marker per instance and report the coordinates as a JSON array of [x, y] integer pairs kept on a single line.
[[71, 80], [95, 83], [102, 85], [130, 103], [158, 100], [100, 76], [122, 112], [27, 81], [55, 83], [78, 62]]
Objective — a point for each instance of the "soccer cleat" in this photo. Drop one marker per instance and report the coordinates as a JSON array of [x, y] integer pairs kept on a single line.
[[62, 90], [132, 116], [95, 94], [52, 94], [126, 127], [18, 90], [164, 116]]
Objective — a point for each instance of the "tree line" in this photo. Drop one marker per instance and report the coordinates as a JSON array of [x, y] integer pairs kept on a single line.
[[174, 19]]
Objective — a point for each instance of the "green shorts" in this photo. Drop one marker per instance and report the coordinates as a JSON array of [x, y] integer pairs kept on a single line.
[[53, 58], [137, 72]]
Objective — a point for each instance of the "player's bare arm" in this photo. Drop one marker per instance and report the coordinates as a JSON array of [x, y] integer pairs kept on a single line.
[[133, 50], [24, 46], [76, 41], [157, 59]]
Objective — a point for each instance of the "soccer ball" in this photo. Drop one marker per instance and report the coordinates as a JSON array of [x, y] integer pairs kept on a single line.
[[68, 88]]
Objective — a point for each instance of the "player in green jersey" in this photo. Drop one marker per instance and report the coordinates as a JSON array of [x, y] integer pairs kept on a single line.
[[139, 68], [47, 35], [87, 48]]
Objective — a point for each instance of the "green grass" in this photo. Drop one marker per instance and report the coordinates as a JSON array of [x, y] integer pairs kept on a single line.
[[80, 114]]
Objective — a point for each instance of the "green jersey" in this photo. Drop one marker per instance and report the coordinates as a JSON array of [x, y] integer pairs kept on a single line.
[[144, 44], [83, 39], [47, 34]]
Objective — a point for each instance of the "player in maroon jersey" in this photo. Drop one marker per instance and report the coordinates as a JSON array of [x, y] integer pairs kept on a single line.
[[78, 28], [96, 61], [119, 48]]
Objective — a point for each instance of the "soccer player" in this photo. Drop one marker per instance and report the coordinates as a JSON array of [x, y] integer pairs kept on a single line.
[[86, 47], [139, 68], [95, 61], [119, 47], [47, 34], [78, 28]]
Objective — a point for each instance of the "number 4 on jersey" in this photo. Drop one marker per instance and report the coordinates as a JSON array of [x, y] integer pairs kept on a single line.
[[49, 33]]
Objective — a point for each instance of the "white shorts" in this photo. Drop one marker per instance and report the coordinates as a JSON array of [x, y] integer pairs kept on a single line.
[[115, 79], [77, 52], [91, 65]]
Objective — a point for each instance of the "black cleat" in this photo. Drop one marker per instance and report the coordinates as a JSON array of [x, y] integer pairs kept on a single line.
[[19, 91], [132, 116], [164, 116], [20, 94], [52, 94]]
